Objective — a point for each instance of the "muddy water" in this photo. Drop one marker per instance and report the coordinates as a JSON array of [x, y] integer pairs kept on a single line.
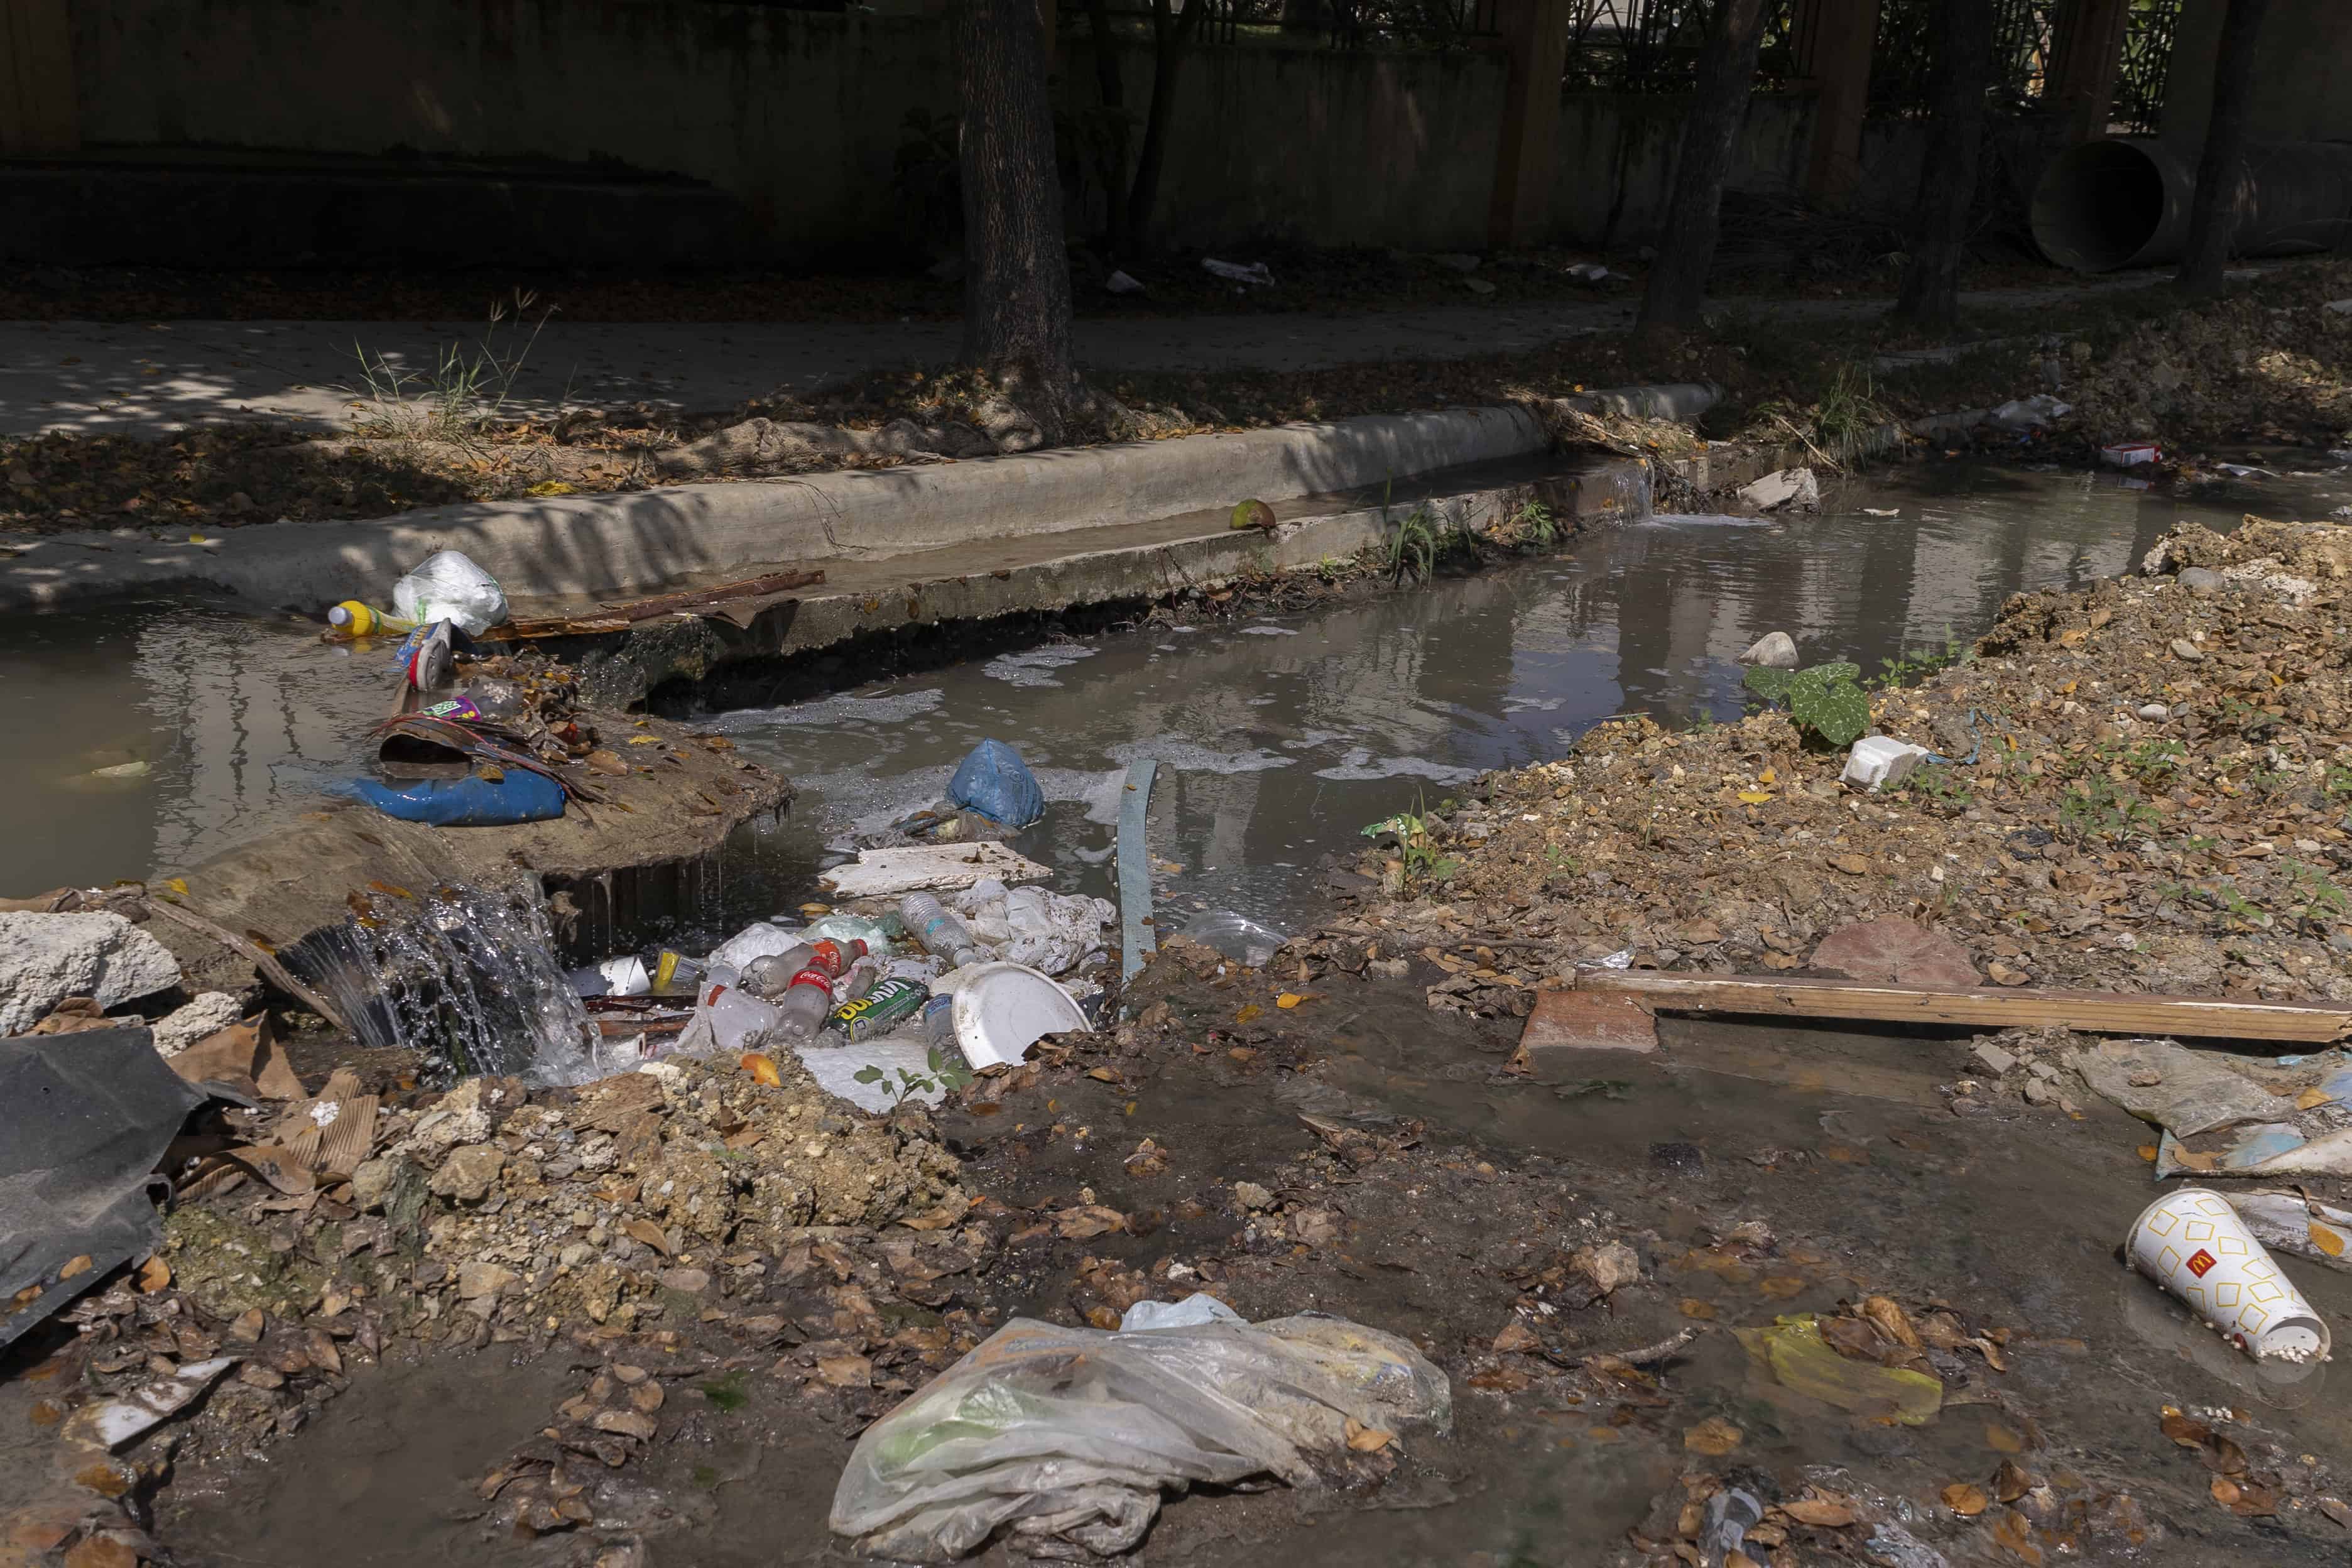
[[148, 739], [1279, 737]]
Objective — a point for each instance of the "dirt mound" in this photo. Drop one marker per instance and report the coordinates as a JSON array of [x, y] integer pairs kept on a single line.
[[2141, 786]]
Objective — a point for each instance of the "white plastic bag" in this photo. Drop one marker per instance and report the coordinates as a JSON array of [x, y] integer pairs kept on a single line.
[[1071, 1435], [447, 586]]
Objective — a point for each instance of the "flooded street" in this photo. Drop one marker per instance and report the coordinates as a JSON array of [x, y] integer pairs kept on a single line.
[[671, 1302], [1278, 736]]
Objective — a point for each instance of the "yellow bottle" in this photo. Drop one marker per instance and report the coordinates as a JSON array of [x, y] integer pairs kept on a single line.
[[354, 619]]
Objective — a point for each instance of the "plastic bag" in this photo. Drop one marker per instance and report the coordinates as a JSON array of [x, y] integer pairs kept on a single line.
[[1189, 1313], [1236, 936], [993, 780], [1071, 1435], [851, 927], [447, 586], [759, 939]]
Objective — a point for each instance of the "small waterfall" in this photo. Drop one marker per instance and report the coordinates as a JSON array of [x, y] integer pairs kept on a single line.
[[464, 976]]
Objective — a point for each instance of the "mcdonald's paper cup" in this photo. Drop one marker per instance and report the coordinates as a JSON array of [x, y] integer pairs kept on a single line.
[[2193, 1244]]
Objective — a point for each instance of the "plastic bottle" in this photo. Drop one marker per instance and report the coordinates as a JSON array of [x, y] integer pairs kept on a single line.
[[737, 1017], [835, 957], [769, 976], [354, 619], [805, 1003], [940, 933], [939, 1022]]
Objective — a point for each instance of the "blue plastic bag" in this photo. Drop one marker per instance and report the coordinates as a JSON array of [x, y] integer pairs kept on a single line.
[[469, 802], [994, 782]]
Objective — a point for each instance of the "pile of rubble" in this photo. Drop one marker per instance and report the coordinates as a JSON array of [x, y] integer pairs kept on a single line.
[[499, 1211]]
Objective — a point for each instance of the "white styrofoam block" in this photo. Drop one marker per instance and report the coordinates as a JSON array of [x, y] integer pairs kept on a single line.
[[1879, 762]]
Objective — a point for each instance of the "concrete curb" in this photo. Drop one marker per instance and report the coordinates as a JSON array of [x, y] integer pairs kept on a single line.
[[589, 546]]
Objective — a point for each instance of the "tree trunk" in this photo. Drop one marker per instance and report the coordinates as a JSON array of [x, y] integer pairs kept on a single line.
[[1676, 296], [2223, 192], [1171, 37], [1111, 86], [1016, 301], [1930, 295]]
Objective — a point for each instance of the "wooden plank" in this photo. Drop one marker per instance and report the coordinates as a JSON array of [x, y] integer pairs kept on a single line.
[[2094, 1012], [620, 617]]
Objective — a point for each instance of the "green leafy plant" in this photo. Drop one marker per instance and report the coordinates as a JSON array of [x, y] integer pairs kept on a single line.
[[1910, 668], [1534, 523], [947, 1075], [1826, 701], [1414, 848], [2098, 808], [1944, 786], [727, 1391]]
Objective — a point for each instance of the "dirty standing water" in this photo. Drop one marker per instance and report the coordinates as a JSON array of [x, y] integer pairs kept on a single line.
[[192, 731]]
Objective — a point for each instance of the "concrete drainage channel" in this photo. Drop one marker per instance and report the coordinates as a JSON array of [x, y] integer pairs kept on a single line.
[[923, 545]]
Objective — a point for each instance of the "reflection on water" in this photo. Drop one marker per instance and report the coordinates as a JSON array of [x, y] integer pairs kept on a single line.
[[1279, 736]]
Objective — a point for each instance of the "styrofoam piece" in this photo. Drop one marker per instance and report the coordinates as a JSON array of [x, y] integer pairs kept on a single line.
[[151, 1403], [1881, 762], [2195, 1246], [835, 1069], [878, 873], [1001, 1009], [2130, 454]]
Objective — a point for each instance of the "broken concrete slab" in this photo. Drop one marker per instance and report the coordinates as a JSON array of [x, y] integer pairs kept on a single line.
[[1785, 489], [1575, 1021], [44, 959], [878, 873]]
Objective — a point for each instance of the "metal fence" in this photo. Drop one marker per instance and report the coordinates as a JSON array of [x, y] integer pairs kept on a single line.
[[2147, 65]]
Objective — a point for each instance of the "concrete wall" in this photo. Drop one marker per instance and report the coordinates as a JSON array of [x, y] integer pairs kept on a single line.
[[1315, 145], [801, 115], [2303, 72], [798, 113]]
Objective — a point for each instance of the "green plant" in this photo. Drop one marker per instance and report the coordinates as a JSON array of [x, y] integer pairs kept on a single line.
[[1849, 415], [1945, 787], [1826, 701], [2337, 782], [464, 389], [946, 1075], [2319, 897], [1534, 525], [2097, 808], [1413, 548], [1910, 668], [1414, 848], [2153, 762]]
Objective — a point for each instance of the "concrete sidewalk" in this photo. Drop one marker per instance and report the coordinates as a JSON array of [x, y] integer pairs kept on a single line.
[[153, 379]]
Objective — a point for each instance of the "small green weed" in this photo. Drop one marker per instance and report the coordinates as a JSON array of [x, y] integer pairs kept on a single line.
[[1943, 786], [947, 1075], [1910, 668], [2098, 808], [464, 389]]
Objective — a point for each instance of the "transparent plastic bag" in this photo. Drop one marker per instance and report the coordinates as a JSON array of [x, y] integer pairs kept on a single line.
[[1238, 937], [1071, 1435], [447, 586]]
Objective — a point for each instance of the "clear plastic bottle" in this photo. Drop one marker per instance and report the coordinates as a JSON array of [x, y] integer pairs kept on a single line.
[[939, 1023], [805, 1003], [737, 1017], [940, 933], [769, 976]]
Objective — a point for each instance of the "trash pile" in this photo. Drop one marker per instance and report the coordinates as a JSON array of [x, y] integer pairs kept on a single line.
[[2140, 788], [897, 992]]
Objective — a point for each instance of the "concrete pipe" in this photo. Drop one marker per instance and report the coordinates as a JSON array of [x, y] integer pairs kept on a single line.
[[2123, 202]]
